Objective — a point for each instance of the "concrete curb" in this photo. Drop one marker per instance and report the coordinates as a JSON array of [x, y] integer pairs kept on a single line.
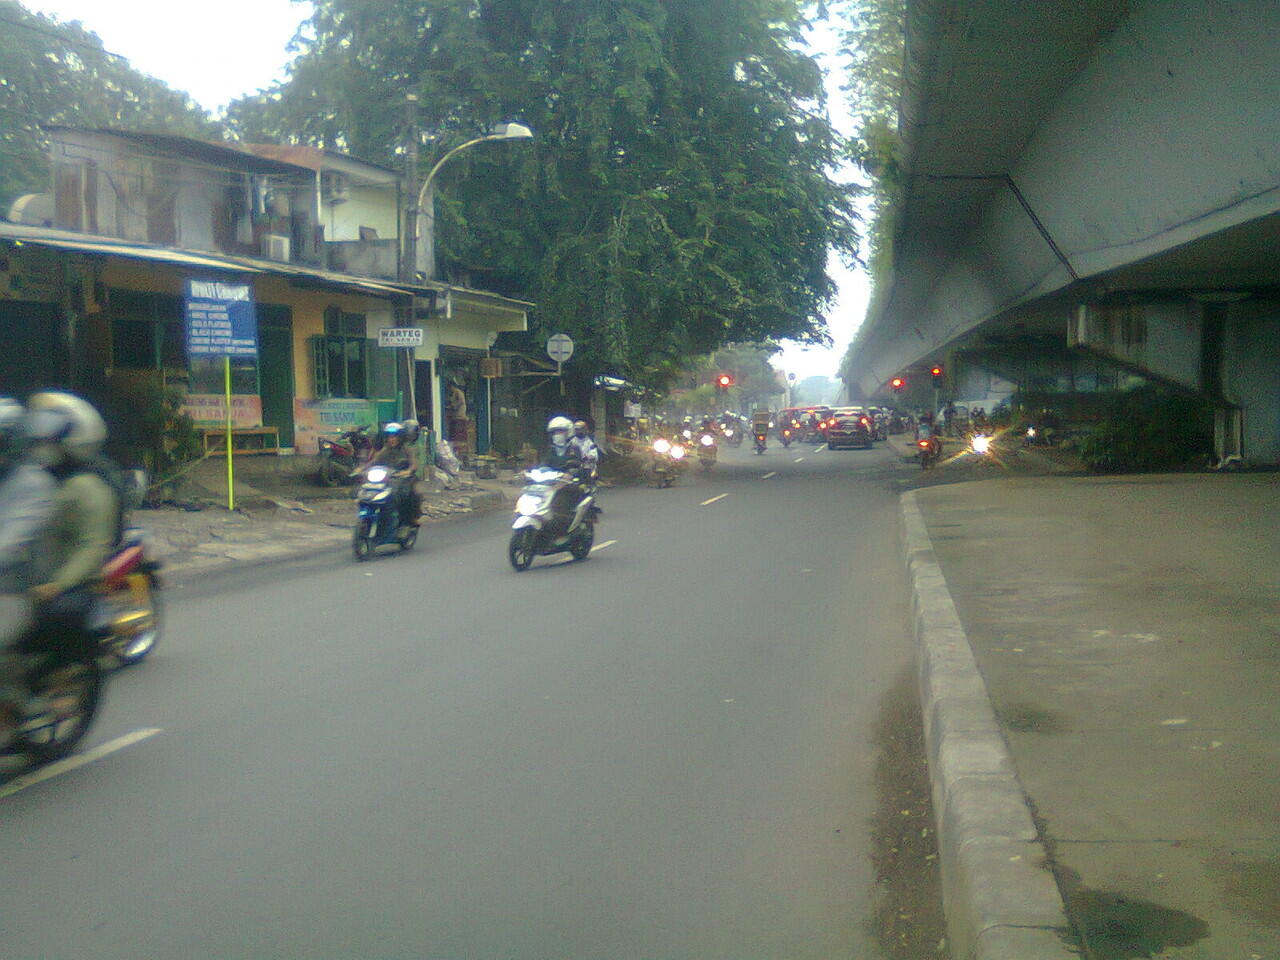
[[1000, 899], [259, 555]]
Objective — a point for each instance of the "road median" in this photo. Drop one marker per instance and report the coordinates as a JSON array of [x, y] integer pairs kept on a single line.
[[1000, 898]]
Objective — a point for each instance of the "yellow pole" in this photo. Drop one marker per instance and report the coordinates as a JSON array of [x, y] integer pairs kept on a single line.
[[231, 492]]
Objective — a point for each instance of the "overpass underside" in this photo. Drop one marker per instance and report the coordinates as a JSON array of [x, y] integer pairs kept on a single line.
[[1092, 186]]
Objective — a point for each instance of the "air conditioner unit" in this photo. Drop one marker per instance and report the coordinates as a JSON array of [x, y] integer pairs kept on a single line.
[[275, 246], [335, 187]]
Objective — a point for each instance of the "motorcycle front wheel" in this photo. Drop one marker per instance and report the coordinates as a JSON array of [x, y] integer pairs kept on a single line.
[[362, 541], [63, 702], [520, 551]]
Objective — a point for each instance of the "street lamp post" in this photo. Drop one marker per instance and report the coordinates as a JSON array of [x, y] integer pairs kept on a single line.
[[502, 131]]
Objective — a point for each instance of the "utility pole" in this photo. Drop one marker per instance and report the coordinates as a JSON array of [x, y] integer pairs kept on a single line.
[[409, 249]]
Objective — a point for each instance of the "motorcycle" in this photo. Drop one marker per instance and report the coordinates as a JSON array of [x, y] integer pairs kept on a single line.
[[733, 436], [786, 437], [540, 529], [48, 698], [378, 520], [761, 442], [127, 619], [341, 458], [667, 457], [707, 453], [930, 451]]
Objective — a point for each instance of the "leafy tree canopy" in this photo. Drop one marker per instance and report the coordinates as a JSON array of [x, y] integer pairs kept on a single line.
[[58, 73], [677, 194]]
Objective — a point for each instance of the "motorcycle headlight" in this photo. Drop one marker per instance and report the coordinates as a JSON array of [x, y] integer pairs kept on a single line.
[[981, 444], [1031, 432], [728, 433], [707, 441], [677, 452], [378, 474], [527, 504], [662, 445]]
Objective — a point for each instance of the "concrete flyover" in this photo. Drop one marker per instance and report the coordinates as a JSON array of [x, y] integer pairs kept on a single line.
[[1091, 190]]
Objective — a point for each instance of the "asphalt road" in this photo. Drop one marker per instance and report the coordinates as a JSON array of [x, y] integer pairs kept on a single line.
[[661, 752]]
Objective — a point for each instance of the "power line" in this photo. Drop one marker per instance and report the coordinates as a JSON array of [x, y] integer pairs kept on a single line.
[[57, 35]]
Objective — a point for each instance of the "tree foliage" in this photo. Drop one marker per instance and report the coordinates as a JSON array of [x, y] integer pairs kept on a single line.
[[58, 73], [678, 194]]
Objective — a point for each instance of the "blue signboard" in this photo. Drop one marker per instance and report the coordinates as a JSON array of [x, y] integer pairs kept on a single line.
[[221, 320]]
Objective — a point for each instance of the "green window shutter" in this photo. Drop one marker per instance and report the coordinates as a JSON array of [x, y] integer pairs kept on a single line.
[[320, 366]]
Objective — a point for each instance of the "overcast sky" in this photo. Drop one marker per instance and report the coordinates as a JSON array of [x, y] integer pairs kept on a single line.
[[238, 46]]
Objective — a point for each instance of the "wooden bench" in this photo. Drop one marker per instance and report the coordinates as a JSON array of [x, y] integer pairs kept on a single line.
[[246, 441]]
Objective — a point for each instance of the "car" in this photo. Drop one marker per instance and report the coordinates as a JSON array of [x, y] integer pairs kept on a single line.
[[848, 431]]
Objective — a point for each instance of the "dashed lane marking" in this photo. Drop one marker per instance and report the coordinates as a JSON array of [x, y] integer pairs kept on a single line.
[[601, 546], [799, 459], [712, 500], [771, 473], [76, 761]]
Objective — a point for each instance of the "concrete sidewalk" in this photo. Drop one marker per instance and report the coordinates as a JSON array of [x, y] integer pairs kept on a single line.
[[273, 529], [1126, 631]]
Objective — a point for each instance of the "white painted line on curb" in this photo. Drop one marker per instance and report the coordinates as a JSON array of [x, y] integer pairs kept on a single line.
[[601, 546], [771, 473], [75, 761], [712, 500]]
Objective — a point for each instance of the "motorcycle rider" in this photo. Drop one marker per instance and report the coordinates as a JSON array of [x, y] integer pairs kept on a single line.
[[564, 455], [67, 435], [26, 504], [588, 452], [402, 459]]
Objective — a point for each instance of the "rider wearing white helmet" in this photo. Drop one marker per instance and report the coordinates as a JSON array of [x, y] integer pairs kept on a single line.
[[26, 500]]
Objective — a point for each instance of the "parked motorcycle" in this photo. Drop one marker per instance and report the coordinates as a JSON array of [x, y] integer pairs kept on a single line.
[[127, 621], [378, 521], [341, 457], [707, 453], [667, 459], [48, 697], [554, 514]]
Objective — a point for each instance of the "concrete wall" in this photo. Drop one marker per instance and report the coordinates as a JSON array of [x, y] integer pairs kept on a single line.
[[1160, 338], [368, 206], [1252, 377]]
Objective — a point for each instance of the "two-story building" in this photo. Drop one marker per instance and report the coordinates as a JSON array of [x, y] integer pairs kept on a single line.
[[95, 302]]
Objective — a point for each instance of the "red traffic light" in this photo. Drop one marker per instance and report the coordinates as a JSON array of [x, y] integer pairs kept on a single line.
[[724, 381], [897, 383]]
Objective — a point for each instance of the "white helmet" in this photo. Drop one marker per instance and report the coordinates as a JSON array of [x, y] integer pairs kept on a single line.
[[67, 422], [559, 429]]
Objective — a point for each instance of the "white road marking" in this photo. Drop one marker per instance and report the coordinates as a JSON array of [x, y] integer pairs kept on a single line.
[[601, 546], [78, 760], [771, 473], [712, 500], [799, 459]]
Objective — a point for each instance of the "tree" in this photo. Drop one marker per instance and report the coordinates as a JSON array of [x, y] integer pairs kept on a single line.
[[58, 73], [678, 193]]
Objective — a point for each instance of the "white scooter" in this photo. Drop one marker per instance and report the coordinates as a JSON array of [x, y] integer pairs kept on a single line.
[[548, 521]]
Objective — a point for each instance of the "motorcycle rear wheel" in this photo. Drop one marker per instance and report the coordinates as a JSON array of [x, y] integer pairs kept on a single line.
[[409, 539], [581, 548], [520, 551], [136, 646], [52, 733]]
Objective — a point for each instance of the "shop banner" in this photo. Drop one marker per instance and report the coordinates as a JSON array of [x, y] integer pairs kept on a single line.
[[210, 409], [313, 419], [221, 321]]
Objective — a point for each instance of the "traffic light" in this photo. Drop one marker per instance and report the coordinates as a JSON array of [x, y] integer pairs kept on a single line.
[[724, 381], [936, 372], [897, 383]]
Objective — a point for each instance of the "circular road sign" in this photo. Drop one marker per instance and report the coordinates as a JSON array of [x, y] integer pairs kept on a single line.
[[560, 347]]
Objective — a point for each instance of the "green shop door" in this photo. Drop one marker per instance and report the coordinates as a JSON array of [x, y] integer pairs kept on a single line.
[[275, 368]]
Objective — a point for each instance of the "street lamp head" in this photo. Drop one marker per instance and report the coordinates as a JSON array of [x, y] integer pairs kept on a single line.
[[511, 131]]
